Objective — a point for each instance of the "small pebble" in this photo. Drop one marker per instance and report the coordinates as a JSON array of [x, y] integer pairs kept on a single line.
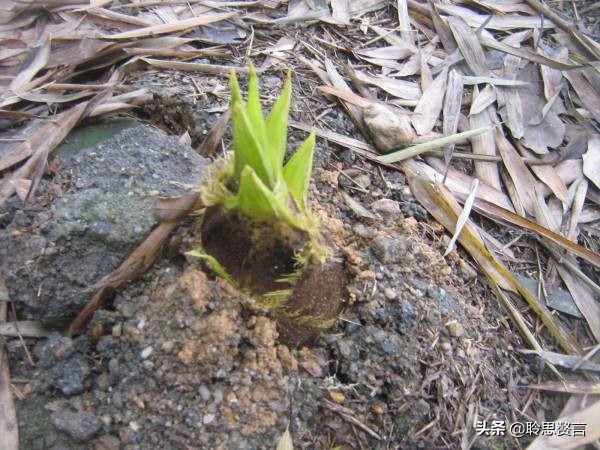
[[390, 294], [364, 180], [389, 209], [208, 418], [167, 346], [455, 329], [117, 330], [146, 352]]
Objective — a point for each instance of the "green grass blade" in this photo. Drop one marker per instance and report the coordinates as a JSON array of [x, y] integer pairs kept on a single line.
[[257, 201], [236, 93], [254, 108], [298, 169], [277, 125], [248, 149], [213, 263]]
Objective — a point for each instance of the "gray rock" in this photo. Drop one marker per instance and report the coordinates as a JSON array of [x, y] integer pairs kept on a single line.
[[110, 187], [416, 414], [81, 426], [54, 349], [389, 130], [389, 209], [389, 250], [69, 376]]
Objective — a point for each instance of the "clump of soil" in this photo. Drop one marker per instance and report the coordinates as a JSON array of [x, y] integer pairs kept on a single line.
[[260, 255]]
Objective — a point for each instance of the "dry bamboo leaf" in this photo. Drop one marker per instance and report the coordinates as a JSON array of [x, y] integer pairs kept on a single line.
[[413, 65], [494, 81], [340, 11], [358, 7], [469, 46], [429, 107], [441, 204], [511, 101], [522, 178], [505, 22], [426, 76], [185, 138], [180, 25], [398, 88], [451, 110], [392, 52], [502, 8], [393, 39], [589, 215], [174, 209], [37, 60], [22, 188], [385, 63], [537, 120], [285, 441], [482, 100], [211, 142], [485, 144], [503, 215], [345, 141], [526, 54], [211, 69], [349, 97], [591, 161], [46, 139], [119, 17], [49, 98], [357, 208], [459, 183], [443, 31], [110, 107], [588, 416], [463, 217], [579, 38], [338, 81], [404, 21], [511, 189], [569, 170], [547, 175], [9, 427], [25, 328], [576, 207], [590, 98], [569, 387], [584, 297], [568, 361], [552, 77], [550, 132], [79, 52]]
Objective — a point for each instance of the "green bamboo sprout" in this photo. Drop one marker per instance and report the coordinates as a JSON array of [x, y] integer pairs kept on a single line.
[[256, 182], [258, 231]]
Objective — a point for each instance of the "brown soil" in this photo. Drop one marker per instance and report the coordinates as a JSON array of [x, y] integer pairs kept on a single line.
[[255, 255], [258, 255]]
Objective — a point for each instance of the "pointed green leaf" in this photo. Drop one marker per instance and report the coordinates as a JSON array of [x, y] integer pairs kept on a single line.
[[236, 93], [277, 125], [298, 169], [254, 108], [248, 150], [213, 263], [256, 200]]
